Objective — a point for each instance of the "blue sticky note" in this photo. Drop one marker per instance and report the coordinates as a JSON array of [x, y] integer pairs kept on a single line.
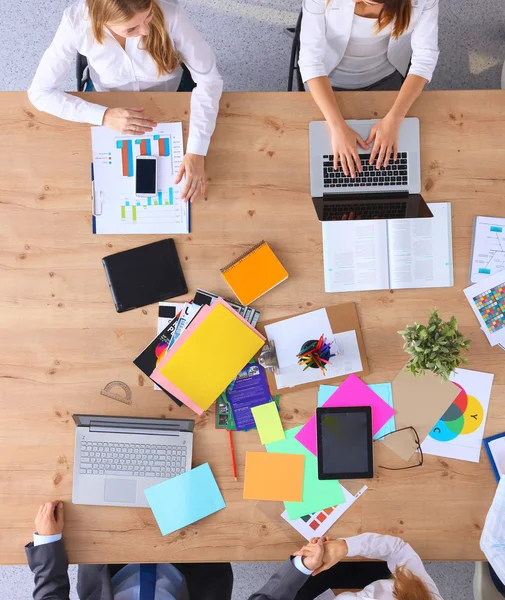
[[185, 499], [384, 390]]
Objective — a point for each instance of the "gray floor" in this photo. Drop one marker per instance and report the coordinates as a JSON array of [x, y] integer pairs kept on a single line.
[[253, 51], [252, 47]]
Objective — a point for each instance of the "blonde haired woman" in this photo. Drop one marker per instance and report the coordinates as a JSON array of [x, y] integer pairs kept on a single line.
[[133, 45], [367, 45]]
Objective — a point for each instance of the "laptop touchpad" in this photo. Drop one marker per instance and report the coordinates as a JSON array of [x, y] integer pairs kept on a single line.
[[120, 490]]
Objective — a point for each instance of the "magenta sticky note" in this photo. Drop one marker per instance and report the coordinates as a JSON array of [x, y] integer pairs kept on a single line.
[[353, 392]]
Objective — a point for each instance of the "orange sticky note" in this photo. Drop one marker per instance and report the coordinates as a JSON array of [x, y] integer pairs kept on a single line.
[[270, 476]]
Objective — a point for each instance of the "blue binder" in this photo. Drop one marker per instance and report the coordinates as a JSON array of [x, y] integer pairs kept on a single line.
[[490, 454]]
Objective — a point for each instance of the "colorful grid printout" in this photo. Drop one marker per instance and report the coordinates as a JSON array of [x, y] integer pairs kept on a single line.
[[491, 305]]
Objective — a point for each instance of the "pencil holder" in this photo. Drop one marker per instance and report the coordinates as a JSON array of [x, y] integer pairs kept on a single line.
[[315, 354]]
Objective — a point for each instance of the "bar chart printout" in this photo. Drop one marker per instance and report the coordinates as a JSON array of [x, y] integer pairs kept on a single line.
[[116, 208]]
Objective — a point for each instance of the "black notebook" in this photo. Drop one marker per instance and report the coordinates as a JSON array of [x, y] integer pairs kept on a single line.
[[145, 275]]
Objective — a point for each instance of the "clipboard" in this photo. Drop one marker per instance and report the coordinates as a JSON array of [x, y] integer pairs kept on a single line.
[[343, 317]]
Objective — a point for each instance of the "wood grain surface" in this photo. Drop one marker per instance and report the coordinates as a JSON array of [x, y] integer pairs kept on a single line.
[[61, 339]]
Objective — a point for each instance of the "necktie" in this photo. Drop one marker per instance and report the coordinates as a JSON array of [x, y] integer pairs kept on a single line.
[[147, 582]]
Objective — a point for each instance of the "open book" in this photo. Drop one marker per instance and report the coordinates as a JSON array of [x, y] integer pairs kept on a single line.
[[396, 254]]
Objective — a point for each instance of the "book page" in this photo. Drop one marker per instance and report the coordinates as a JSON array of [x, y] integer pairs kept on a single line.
[[420, 250], [355, 256]]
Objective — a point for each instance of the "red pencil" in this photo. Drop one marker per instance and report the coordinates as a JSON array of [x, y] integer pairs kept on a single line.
[[232, 450]]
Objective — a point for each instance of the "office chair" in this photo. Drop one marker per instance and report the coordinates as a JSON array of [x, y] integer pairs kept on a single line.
[[84, 83], [295, 53], [483, 586]]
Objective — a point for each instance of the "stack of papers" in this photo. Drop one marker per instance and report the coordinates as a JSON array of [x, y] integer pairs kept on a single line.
[[317, 494], [207, 356], [383, 390], [353, 392]]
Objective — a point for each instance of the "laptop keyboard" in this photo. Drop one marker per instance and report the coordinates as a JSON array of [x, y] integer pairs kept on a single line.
[[387, 210], [132, 460], [395, 174]]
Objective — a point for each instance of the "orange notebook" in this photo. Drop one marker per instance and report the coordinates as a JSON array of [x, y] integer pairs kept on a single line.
[[254, 273]]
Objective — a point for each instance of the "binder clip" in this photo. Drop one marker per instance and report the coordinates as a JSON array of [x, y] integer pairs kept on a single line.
[[268, 358]]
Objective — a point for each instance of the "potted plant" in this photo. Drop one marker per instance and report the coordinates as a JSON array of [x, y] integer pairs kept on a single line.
[[436, 347]]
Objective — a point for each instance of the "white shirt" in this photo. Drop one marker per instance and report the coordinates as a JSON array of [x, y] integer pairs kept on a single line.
[[492, 541], [326, 31], [396, 552], [132, 70], [365, 59]]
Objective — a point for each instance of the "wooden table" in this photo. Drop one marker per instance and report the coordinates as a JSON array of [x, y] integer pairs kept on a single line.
[[61, 339]]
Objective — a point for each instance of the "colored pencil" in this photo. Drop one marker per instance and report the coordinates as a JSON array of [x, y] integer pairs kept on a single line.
[[232, 450]]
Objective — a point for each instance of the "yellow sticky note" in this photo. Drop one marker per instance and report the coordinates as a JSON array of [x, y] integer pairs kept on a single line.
[[268, 422], [212, 357]]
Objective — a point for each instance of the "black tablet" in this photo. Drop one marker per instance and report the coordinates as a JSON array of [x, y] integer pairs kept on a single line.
[[145, 275], [344, 442]]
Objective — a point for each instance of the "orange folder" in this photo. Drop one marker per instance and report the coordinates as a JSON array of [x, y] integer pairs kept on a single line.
[[254, 273], [270, 476]]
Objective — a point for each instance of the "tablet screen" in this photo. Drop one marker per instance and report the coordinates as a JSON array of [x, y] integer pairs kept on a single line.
[[344, 443]]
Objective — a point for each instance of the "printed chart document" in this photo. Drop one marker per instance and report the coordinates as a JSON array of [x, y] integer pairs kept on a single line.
[[488, 251], [116, 208], [395, 254]]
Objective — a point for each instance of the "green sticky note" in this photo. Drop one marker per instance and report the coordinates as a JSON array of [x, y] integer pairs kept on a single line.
[[268, 422], [317, 495]]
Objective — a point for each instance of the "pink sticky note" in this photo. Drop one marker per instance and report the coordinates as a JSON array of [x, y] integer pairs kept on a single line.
[[353, 392]]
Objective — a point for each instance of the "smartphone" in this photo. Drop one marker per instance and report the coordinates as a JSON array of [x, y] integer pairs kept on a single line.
[[146, 176]]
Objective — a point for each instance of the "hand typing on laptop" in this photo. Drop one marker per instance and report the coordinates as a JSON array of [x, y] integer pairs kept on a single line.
[[384, 135], [344, 142]]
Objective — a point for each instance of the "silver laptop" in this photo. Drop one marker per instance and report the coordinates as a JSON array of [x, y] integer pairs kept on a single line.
[[391, 192], [117, 458]]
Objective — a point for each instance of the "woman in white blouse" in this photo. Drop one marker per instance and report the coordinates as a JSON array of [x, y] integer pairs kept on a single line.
[[367, 45], [403, 574], [133, 45]]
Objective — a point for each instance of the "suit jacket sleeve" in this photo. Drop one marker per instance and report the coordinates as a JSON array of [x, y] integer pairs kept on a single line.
[[49, 564], [283, 585]]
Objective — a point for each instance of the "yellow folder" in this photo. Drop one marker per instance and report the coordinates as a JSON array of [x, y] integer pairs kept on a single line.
[[210, 359]]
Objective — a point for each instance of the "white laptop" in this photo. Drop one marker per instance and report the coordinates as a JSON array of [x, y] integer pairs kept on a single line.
[[117, 458]]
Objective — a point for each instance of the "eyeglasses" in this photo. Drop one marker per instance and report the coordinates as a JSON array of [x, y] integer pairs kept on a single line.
[[419, 453]]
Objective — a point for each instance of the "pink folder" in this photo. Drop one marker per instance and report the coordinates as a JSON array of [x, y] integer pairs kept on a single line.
[[353, 392], [161, 380]]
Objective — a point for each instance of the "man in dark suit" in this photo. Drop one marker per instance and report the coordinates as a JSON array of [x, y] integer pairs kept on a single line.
[[48, 561]]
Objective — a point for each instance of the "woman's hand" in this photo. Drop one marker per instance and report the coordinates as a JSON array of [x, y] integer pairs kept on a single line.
[[128, 120], [312, 555], [384, 136], [193, 166], [49, 519], [344, 143]]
